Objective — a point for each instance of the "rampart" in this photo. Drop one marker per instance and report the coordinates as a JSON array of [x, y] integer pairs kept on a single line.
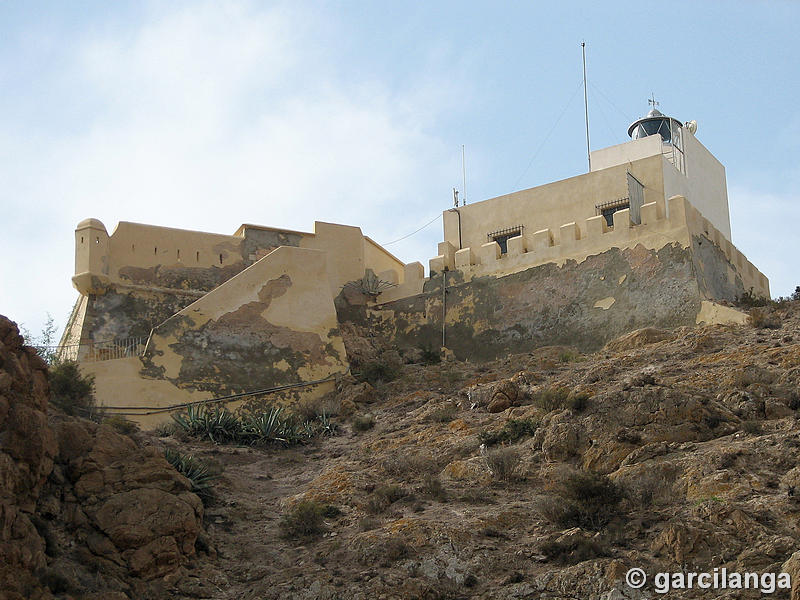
[[271, 325], [583, 291]]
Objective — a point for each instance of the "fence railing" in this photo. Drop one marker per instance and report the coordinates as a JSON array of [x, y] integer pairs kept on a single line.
[[96, 351]]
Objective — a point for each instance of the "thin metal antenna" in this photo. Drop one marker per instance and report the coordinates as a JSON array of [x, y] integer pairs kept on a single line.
[[586, 106], [464, 175]]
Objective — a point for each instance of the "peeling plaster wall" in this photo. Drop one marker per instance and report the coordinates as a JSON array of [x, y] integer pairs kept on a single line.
[[272, 324], [544, 305]]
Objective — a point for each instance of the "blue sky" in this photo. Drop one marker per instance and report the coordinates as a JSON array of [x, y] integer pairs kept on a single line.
[[208, 115]]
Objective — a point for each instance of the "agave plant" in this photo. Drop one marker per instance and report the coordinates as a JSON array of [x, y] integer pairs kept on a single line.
[[326, 425], [217, 424], [266, 428], [195, 470]]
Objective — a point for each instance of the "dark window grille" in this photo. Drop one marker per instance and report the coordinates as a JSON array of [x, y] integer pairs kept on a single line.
[[607, 209], [501, 236]]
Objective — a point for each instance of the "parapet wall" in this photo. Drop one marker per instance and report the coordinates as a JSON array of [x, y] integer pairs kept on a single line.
[[583, 291], [676, 221]]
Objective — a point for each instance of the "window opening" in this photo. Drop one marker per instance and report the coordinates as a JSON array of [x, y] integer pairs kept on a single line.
[[607, 209], [501, 236]]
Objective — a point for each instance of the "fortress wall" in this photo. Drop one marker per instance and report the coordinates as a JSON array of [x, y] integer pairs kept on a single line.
[[577, 241], [270, 325], [582, 290], [141, 275], [572, 241], [723, 270], [581, 304]]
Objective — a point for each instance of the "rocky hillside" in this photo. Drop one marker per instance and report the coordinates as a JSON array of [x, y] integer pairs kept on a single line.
[[543, 475], [85, 512]]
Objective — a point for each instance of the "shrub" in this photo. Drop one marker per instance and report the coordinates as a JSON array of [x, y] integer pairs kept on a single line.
[[443, 414], [477, 496], [433, 488], [568, 357], [196, 470], [378, 371], [577, 401], [586, 500], [71, 391], [628, 436], [304, 519], [647, 489], [573, 551], [752, 427], [406, 466], [164, 430], [363, 422], [552, 398], [512, 431], [762, 319], [384, 496], [750, 299], [394, 549], [45, 342], [430, 356], [310, 410], [121, 424], [502, 463]]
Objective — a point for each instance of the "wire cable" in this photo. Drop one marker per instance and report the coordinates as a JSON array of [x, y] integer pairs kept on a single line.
[[439, 216], [607, 99], [549, 133], [151, 410]]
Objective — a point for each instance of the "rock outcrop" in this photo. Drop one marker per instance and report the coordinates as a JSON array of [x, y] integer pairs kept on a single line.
[[83, 508]]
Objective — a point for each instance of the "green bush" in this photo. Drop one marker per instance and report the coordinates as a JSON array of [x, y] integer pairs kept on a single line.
[[378, 371], [430, 356], [410, 466], [433, 488], [196, 470], [583, 499], [71, 391], [502, 463], [512, 431], [555, 398], [762, 319], [304, 519], [550, 399], [752, 427], [383, 496]]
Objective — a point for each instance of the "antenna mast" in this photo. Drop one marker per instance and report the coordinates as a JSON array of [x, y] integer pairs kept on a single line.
[[464, 175], [586, 106]]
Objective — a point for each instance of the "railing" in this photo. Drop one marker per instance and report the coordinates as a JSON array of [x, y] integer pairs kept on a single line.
[[96, 351]]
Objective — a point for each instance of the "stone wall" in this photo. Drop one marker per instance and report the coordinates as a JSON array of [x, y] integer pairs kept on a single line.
[[271, 325], [583, 304]]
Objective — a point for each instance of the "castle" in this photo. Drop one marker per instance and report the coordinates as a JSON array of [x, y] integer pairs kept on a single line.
[[168, 317]]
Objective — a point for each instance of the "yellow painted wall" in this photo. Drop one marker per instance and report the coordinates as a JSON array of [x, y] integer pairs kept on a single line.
[[550, 206], [282, 302]]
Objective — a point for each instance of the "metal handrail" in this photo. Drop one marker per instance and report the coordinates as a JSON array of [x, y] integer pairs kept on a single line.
[[97, 351]]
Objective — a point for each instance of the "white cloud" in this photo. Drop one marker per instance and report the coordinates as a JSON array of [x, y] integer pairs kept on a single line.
[[206, 118]]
